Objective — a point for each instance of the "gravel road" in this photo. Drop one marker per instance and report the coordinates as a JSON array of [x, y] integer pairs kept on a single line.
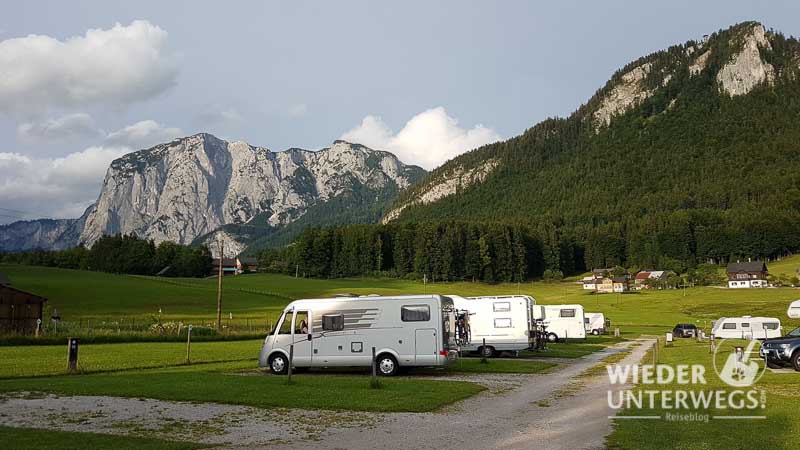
[[555, 410]]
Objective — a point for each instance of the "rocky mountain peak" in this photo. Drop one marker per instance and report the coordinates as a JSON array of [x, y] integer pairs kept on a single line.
[[738, 57], [189, 187]]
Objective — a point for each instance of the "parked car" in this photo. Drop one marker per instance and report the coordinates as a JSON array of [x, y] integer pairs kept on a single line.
[[782, 351], [685, 330]]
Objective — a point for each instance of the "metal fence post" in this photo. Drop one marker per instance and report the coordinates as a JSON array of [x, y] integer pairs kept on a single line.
[[291, 359], [374, 366]]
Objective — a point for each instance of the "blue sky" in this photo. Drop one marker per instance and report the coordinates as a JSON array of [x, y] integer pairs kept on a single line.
[[427, 80]]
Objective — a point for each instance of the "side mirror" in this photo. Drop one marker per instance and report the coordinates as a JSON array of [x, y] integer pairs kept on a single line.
[[309, 337]]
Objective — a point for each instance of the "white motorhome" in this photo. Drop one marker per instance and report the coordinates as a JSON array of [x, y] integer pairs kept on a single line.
[[794, 310], [562, 321], [504, 322], [594, 323], [406, 331], [747, 327]]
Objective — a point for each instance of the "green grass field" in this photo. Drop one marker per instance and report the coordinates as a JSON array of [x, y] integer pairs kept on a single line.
[[84, 295], [238, 383], [27, 438], [779, 431], [41, 360], [227, 370]]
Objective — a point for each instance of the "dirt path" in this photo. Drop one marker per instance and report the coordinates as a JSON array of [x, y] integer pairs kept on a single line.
[[516, 412]]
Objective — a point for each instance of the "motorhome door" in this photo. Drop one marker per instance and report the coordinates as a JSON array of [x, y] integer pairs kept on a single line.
[[301, 331], [426, 346]]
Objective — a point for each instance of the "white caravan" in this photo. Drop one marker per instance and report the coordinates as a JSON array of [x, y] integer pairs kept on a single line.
[[595, 323], [747, 327], [406, 331], [562, 321], [794, 310], [503, 321]]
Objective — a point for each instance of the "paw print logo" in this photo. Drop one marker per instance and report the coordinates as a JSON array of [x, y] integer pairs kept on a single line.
[[740, 370]]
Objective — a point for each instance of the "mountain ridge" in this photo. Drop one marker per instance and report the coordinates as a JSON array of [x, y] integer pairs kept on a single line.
[[193, 186]]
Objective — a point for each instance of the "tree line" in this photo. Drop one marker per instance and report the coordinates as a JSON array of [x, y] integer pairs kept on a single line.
[[447, 251], [123, 254]]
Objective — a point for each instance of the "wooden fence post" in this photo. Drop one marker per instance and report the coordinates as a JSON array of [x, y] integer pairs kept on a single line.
[[188, 344]]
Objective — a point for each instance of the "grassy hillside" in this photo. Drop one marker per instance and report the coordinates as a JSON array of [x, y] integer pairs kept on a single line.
[[786, 266]]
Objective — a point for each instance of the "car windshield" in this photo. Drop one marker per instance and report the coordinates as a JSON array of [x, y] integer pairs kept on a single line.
[[794, 333]]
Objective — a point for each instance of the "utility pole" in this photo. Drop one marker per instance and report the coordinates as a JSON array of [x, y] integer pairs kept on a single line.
[[219, 284]]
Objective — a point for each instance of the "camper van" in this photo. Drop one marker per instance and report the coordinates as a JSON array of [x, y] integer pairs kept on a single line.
[[747, 327], [595, 323], [504, 322], [562, 321], [794, 310], [406, 331]]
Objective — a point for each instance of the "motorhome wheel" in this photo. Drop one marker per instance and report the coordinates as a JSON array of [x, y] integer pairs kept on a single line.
[[488, 351], [552, 337], [595, 332], [278, 364], [387, 365]]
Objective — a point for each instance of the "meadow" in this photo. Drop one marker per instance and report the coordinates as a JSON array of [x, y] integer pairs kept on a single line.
[[258, 299], [777, 432], [222, 371]]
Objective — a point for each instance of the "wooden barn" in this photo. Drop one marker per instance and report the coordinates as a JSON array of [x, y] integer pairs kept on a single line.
[[19, 310]]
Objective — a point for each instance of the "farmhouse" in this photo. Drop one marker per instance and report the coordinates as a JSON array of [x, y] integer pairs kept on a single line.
[[246, 264], [645, 279], [19, 310], [603, 282], [228, 266], [748, 274]]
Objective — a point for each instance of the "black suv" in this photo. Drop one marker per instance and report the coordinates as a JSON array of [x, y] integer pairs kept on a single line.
[[782, 351], [685, 330]]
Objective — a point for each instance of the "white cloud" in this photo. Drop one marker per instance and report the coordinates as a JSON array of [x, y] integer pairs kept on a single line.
[[121, 65], [54, 187], [66, 127], [429, 139], [297, 110], [143, 134]]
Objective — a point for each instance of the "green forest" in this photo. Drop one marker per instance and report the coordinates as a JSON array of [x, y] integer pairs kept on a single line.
[[123, 254]]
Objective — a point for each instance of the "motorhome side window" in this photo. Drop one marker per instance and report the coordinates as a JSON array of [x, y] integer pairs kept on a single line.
[[415, 313], [502, 307], [745, 325], [728, 326], [502, 323], [301, 323], [332, 322], [771, 326], [567, 313]]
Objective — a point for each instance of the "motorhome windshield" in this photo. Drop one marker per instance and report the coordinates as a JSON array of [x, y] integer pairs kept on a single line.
[[275, 326]]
